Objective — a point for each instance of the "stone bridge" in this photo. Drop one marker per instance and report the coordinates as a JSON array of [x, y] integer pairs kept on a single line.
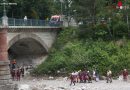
[[30, 44]]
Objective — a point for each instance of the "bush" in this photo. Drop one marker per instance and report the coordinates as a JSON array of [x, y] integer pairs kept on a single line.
[[86, 31], [120, 29], [101, 31], [74, 54]]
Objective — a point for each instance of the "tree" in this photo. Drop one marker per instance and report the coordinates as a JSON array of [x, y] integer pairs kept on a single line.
[[34, 9]]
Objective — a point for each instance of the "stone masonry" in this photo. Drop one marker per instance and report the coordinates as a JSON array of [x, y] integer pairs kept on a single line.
[[5, 79]]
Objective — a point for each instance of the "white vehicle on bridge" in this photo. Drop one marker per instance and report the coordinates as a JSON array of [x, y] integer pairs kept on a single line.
[[56, 20]]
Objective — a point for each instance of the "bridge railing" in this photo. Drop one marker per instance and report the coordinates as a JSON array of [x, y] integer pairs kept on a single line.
[[28, 22]]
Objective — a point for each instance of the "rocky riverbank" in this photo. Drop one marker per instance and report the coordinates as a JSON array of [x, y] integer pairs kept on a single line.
[[64, 84]]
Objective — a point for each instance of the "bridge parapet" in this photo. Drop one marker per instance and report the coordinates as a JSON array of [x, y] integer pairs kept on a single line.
[[28, 22], [32, 28]]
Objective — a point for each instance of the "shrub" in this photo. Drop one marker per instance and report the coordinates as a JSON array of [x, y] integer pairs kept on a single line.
[[120, 29], [76, 55], [101, 31]]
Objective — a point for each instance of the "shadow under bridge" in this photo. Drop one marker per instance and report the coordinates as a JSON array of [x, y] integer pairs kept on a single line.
[[27, 51]]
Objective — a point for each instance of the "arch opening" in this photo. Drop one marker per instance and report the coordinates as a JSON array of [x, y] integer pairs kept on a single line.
[[27, 51]]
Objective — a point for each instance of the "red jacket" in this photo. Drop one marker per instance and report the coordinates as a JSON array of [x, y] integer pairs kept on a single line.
[[125, 73]]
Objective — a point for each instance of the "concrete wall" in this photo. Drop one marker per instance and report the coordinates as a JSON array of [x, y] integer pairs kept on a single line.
[[46, 39]]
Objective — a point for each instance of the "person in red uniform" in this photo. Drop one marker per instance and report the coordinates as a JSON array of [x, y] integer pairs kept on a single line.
[[14, 64], [125, 74], [18, 74], [22, 71], [80, 76], [72, 78], [13, 74]]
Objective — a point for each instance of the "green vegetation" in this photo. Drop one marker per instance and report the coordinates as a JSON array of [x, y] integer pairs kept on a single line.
[[71, 52], [101, 42], [34, 9]]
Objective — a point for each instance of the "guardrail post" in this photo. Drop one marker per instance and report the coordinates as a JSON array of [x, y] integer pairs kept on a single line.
[[31, 22], [14, 21]]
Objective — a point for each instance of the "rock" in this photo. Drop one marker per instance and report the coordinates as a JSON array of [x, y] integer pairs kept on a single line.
[[64, 85], [49, 88], [65, 78], [34, 88], [24, 87], [76, 88], [51, 78], [120, 78], [62, 88], [58, 71], [103, 78], [83, 88], [34, 80]]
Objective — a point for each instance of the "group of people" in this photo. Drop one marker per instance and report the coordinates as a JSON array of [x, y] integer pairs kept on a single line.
[[124, 74], [18, 72], [83, 76]]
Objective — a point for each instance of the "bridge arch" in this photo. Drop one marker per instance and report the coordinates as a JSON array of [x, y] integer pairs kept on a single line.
[[27, 35], [26, 48]]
